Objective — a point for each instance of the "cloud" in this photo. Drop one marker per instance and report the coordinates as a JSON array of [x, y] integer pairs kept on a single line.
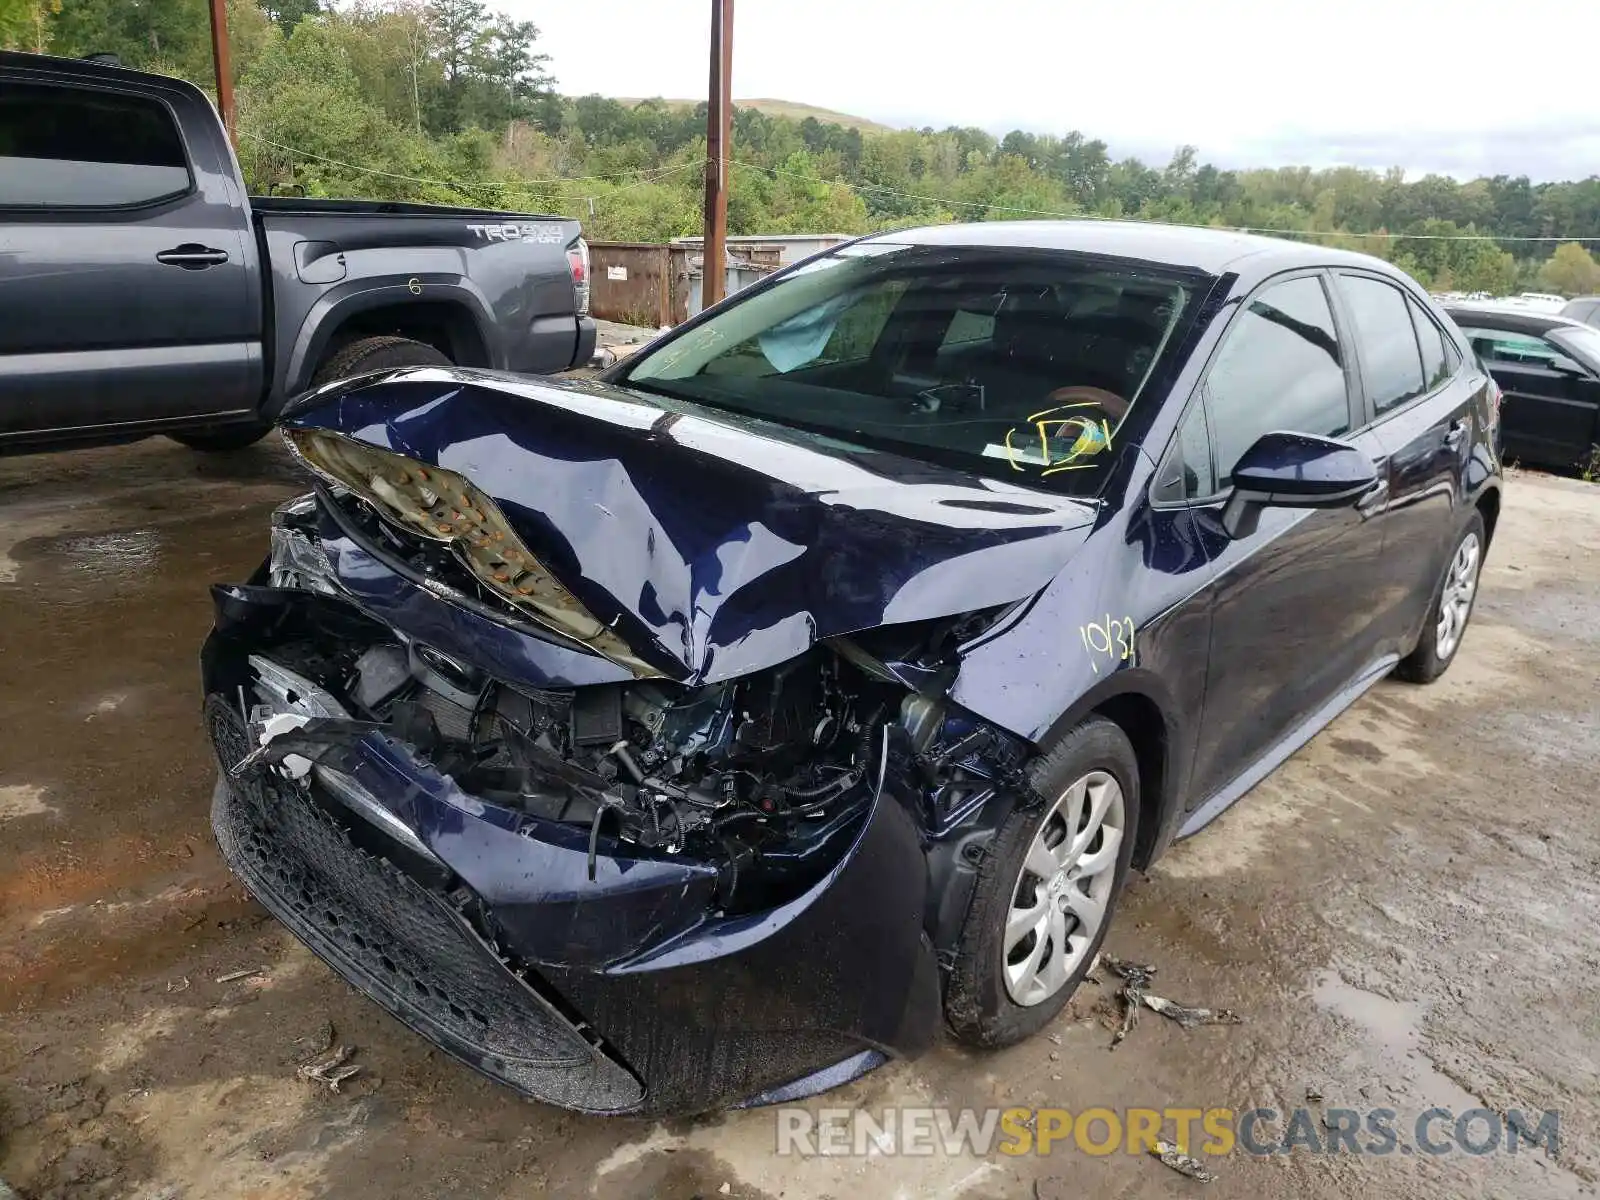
[[1371, 83]]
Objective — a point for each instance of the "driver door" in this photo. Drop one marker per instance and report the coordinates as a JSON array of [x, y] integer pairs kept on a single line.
[[1294, 622]]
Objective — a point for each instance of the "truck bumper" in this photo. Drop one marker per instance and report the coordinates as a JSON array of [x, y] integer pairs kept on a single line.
[[586, 342]]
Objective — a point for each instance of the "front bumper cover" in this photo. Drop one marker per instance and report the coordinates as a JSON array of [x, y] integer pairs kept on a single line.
[[482, 931]]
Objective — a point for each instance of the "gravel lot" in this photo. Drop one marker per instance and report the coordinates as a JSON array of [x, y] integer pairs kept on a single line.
[[1406, 915]]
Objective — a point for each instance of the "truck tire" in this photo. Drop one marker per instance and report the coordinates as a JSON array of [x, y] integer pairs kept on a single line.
[[377, 354], [224, 438], [368, 354]]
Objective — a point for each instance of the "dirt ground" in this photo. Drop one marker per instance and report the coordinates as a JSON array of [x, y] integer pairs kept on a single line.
[[1406, 914]]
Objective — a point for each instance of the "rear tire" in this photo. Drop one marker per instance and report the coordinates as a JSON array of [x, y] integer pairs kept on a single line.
[[377, 354], [1014, 971], [225, 438], [358, 358], [1451, 608]]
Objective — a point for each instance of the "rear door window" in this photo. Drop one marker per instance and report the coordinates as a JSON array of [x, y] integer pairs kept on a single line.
[[1281, 367], [84, 148], [1438, 358], [1391, 364]]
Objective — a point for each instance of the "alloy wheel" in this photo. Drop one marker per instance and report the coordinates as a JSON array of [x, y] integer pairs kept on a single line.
[[1455, 602], [1063, 889]]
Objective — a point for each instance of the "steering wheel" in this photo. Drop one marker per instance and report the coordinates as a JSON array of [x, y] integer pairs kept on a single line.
[[1084, 397]]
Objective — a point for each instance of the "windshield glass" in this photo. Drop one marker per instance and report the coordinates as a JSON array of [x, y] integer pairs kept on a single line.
[[1018, 365]]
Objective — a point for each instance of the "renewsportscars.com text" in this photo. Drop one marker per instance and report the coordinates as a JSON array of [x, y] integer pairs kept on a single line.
[[1376, 1132]]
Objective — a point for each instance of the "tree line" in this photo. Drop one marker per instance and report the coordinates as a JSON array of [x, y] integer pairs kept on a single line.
[[451, 101]]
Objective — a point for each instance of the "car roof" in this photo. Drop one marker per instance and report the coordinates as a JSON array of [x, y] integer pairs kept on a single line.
[[1518, 320], [1213, 251]]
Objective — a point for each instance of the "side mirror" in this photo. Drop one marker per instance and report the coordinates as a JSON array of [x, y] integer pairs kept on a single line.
[[1294, 470]]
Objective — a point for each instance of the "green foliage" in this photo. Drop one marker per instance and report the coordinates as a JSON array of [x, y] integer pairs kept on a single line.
[[451, 101], [1571, 271], [27, 24], [166, 35], [286, 14], [1449, 264], [1589, 468]]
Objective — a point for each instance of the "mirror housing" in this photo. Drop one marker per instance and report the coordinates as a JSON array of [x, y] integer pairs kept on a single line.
[[1294, 470]]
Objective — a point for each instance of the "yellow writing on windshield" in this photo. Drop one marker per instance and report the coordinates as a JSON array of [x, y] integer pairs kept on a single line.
[[1063, 436]]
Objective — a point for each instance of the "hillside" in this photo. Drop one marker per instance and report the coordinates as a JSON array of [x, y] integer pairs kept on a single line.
[[792, 109]]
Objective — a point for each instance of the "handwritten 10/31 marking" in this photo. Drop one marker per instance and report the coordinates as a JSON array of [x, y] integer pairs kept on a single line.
[[1113, 637]]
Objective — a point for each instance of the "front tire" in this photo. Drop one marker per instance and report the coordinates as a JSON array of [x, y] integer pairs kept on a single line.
[[1451, 610], [1047, 889]]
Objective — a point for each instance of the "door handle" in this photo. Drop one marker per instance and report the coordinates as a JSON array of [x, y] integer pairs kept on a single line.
[[1458, 430], [192, 256]]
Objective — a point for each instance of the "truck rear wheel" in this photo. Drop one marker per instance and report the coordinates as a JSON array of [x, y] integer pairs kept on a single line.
[[358, 358], [378, 354], [224, 437]]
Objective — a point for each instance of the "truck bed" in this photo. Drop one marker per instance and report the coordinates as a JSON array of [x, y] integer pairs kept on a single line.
[[303, 205]]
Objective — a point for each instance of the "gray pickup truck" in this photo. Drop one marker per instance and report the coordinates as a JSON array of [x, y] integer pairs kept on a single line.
[[143, 291]]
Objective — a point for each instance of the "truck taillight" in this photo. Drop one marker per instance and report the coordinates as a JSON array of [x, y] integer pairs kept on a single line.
[[578, 264], [1494, 395]]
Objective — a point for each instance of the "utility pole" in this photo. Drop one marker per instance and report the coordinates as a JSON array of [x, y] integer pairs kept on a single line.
[[719, 142], [224, 64]]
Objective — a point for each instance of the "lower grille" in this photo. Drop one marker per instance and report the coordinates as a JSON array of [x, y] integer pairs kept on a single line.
[[399, 942]]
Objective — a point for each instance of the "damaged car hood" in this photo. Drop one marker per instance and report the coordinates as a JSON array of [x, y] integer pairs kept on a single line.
[[705, 545]]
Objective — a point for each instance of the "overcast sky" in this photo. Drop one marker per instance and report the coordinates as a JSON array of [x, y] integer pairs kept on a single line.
[[1465, 88]]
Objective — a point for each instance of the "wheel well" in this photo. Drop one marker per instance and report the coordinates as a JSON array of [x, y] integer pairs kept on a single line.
[[448, 328], [1489, 509], [1140, 718]]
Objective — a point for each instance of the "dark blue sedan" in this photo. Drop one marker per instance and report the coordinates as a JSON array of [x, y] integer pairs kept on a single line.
[[709, 733]]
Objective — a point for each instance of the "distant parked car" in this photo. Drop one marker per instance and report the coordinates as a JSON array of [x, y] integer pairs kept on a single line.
[[1541, 301], [705, 733], [1583, 308], [1549, 370]]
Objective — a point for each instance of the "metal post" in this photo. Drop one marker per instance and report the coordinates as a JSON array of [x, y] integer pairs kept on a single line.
[[719, 142], [224, 64]]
